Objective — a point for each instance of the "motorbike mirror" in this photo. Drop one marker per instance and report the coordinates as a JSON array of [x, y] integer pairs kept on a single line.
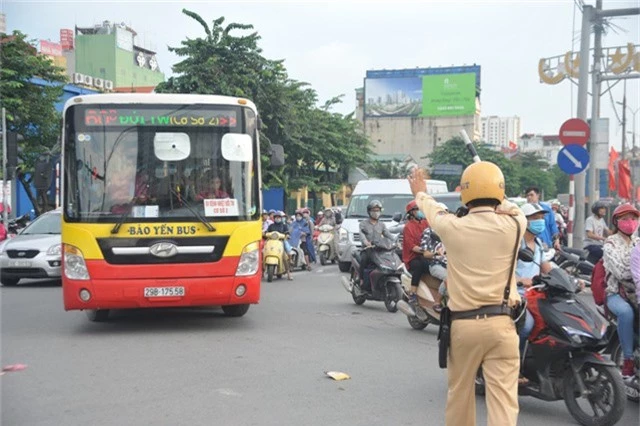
[[525, 254], [397, 217]]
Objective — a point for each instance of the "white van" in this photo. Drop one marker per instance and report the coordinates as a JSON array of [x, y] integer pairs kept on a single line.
[[394, 194]]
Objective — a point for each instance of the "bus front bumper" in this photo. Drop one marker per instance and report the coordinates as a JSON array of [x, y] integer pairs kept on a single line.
[[122, 293]]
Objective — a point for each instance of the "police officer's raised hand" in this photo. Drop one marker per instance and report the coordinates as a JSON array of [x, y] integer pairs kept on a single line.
[[417, 181]]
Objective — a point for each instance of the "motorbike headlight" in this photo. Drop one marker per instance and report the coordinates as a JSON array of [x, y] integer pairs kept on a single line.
[[576, 334], [249, 260], [55, 250], [75, 268], [344, 236]]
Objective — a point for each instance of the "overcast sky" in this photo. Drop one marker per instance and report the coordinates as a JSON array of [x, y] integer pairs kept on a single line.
[[331, 44]]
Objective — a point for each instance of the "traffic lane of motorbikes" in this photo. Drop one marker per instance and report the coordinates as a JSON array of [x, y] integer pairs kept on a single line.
[[267, 367]]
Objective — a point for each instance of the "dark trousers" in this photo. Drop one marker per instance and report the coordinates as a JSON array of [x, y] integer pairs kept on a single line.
[[418, 266], [365, 260]]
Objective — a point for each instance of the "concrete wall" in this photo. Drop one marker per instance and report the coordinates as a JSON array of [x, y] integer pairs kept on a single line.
[[129, 74], [417, 136]]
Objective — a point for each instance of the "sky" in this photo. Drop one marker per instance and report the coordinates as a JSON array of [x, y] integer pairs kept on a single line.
[[331, 44]]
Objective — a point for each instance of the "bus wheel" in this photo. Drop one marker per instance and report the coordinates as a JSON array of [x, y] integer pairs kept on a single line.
[[97, 315], [235, 310]]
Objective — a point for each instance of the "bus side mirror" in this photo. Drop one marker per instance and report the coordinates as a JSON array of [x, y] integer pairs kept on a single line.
[[277, 156]]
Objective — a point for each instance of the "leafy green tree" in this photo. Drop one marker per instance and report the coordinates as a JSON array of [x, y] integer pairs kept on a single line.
[[386, 170], [320, 146], [30, 107], [561, 180], [454, 151]]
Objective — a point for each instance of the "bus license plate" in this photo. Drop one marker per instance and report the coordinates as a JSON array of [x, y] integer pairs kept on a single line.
[[163, 291]]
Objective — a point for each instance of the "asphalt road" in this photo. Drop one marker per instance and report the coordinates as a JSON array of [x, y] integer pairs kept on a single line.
[[197, 367]]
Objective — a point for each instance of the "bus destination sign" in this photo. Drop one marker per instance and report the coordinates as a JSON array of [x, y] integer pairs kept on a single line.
[[116, 117]]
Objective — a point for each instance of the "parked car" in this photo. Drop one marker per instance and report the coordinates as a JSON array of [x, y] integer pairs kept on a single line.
[[34, 253]]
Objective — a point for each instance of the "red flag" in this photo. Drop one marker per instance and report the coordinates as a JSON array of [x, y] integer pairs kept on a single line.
[[624, 180], [613, 156], [512, 145]]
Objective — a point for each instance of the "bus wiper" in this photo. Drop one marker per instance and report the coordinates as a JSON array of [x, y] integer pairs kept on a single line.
[[123, 217], [195, 212]]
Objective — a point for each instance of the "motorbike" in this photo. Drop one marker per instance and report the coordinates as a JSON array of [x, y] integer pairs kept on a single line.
[[575, 263], [326, 245], [423, 314], [382, 282], [273, 255], [18, 224], [614, 350], [298, 260], [561, 359]]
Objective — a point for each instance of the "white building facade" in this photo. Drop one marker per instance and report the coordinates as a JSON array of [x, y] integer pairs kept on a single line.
[[499, 131], [546, 147]]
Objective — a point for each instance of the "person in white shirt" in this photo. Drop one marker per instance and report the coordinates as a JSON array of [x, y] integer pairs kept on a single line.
[[597, 231]]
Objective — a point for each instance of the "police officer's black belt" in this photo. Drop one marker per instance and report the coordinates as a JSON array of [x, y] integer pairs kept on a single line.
[[485, 311]]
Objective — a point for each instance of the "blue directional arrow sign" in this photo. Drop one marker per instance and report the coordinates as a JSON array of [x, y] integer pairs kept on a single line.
[[573, 159]]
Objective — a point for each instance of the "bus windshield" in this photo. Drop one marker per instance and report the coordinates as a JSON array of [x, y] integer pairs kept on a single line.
[[159, 162]]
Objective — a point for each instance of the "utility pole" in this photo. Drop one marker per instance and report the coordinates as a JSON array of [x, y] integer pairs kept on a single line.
[[577, 218], [597, 22]]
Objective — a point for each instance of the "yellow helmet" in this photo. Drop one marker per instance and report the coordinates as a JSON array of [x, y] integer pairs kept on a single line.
[[483, 180]]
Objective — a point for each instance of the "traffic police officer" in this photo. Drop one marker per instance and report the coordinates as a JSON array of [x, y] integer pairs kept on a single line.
[[480, 251]]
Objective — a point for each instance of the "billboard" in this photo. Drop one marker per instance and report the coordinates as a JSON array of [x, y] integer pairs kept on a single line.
[[422, 92], [50, 48]]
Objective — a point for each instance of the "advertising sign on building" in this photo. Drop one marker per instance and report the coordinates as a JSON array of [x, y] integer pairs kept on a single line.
[[50, 48], [448, 94], [66, 39], [422, 92]]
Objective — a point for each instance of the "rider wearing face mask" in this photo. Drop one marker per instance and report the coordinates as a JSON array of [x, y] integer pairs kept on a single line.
[[621, 295], [370, 231], [525, 271], [411, 250]]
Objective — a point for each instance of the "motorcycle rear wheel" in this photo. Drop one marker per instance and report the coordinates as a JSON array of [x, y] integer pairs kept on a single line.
[[606, 395], [323, 258]]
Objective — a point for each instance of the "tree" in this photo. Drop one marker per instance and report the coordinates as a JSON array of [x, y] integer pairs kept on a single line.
[[387, 170], [454, 151], [320, 146], [30, 107]]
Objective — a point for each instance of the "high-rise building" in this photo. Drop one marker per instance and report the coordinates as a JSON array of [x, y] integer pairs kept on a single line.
[[500, 131], [3, 23]]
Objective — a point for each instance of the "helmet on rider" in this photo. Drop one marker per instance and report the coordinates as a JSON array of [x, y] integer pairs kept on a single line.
[[373, 205], [482, 181], [306, 211], [328, 212], [595, 208], [411, 205], [623, 210]]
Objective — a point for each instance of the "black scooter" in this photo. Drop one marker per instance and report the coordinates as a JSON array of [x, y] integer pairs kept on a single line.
[[561, 360], [382, 283], [18, 224]]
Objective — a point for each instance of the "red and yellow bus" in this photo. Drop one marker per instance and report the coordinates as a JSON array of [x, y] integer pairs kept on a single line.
[[161, 202]]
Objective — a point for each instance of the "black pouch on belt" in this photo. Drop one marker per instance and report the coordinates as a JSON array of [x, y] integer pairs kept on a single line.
[[444, 336]]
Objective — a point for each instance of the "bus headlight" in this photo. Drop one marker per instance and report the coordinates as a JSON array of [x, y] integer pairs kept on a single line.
[[75, 267], [249, 260]]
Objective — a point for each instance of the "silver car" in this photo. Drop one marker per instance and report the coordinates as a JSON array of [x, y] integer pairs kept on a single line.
[[34, 253]]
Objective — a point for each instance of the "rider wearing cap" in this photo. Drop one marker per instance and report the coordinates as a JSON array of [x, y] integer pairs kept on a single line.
[[370, 230], [480, 254]]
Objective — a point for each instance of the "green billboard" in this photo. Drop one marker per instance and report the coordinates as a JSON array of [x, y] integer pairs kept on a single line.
[[448, 94]]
